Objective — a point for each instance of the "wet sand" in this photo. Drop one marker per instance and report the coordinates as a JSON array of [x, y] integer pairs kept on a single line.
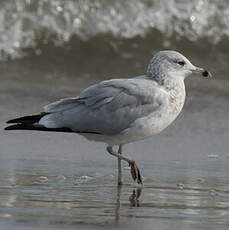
[[82, 194]]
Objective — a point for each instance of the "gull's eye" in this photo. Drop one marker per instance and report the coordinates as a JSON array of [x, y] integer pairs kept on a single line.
[[181, 63]]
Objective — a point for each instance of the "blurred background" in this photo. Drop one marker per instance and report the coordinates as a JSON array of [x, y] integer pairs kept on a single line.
[[54, 49]]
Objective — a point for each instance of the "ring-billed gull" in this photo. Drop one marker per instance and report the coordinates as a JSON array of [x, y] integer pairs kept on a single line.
[[120, 111]]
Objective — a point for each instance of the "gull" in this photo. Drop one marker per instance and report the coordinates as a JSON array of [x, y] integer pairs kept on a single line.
[[120, 111]]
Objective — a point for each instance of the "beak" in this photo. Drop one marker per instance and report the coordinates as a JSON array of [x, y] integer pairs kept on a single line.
[[203, 72]]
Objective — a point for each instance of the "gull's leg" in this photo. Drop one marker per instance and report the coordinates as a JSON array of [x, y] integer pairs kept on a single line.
[[135, 172], [119, 166]]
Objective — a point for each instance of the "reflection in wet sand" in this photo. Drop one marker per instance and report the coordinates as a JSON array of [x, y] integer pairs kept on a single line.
[[134, 197], [25, 199], [118, 203]]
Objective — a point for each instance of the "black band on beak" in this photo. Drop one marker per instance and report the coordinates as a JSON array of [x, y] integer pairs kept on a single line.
[[206, 73]]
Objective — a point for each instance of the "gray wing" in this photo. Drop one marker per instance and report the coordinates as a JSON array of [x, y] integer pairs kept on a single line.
[[107, 108]]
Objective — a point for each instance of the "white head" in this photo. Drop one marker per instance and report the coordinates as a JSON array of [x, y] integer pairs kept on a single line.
[[168, 64]]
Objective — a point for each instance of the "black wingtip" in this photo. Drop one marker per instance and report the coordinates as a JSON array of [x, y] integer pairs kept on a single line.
[[13, 127], [37, 128], [10, 121], [27, 119]]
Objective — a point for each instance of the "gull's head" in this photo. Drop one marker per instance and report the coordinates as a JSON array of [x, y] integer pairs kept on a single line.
[[169, 64]]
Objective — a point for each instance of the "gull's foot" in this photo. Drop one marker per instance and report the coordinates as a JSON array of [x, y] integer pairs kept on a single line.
[[135, 172]]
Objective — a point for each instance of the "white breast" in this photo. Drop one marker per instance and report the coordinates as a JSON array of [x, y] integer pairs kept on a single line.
[[154, 123]]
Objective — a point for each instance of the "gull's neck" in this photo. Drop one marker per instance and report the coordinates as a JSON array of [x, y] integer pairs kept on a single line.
[[169, 82]]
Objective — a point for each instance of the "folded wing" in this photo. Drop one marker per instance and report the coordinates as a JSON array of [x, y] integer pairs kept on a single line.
[[106, 108]]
